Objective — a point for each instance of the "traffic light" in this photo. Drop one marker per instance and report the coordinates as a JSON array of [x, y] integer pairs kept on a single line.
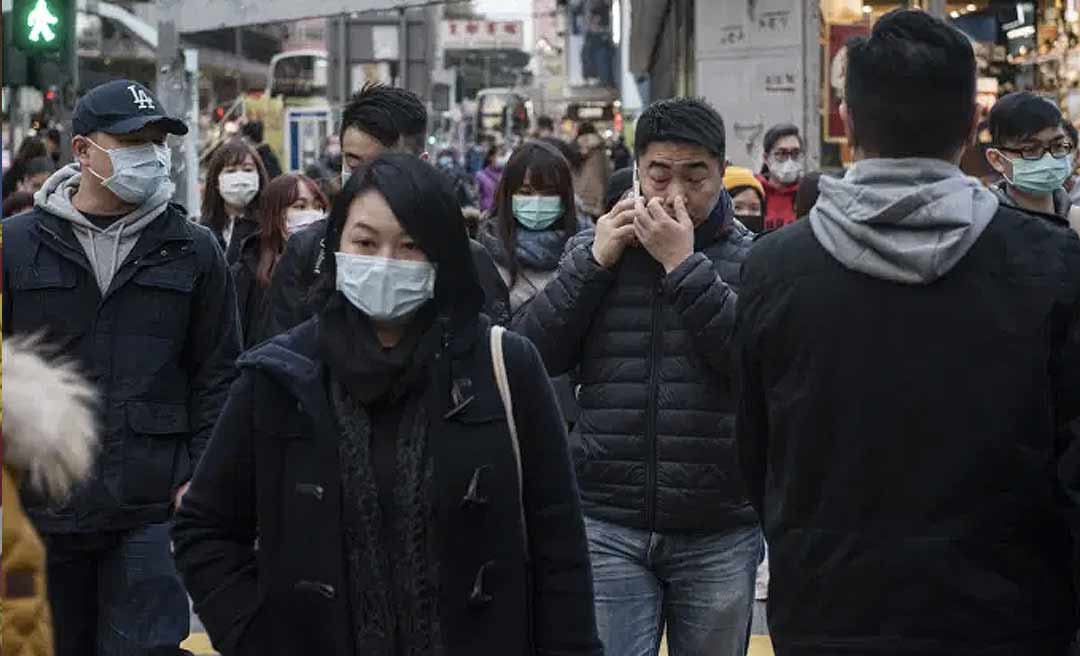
[[41, 26]]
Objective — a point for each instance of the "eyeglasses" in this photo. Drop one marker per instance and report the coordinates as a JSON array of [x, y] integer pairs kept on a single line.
[[783, 155], [1033, 152]]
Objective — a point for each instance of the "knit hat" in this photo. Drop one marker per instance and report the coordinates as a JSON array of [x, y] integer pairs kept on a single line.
[[737, 176]]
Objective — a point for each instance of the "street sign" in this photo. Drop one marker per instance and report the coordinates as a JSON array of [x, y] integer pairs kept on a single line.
[[201, 15], [41, 26], [483, 35]]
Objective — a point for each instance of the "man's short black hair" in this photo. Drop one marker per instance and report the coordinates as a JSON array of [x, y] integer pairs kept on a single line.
[[545, 123], [1020, 116], [681, 120], [389, 114], [778, 132], [254, 131], [910, 87]]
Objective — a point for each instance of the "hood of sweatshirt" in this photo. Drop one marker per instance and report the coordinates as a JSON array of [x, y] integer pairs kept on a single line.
[[905, 220], [106, 248]]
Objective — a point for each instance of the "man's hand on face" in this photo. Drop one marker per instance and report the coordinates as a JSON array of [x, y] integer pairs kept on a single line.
[[614, 232], [669, 240]]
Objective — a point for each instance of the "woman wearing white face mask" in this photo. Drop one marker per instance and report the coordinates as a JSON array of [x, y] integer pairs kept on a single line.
[[289, 204], [403, 465], [526, 234], [234, 180], [781, 173]]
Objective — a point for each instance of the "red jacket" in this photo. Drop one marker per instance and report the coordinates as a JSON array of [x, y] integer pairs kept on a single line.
[[780, 203]]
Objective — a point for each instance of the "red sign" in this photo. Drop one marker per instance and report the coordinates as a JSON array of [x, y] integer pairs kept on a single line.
[[835, 76]]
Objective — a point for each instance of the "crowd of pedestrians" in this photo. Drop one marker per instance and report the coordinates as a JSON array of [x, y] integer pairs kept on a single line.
[[526, 401]]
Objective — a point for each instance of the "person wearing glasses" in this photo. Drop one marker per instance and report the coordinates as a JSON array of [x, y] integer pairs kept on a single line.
[[1033, 153], [781, 173]]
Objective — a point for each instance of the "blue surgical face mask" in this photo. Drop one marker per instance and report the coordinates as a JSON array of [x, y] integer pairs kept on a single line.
[[446, 163], [537, 212], [383, 288], [1041, 177], [138, 171]]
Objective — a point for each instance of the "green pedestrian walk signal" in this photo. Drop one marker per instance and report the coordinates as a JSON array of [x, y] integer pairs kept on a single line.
[[41, 26]]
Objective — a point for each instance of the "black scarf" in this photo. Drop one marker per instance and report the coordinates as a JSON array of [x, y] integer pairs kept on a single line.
[[351, 350], [392, 579]]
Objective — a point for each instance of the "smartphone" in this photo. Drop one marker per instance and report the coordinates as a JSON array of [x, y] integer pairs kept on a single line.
[[635, 185]]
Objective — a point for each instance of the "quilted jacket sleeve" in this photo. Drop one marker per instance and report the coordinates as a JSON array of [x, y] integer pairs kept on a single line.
[[707, 307]]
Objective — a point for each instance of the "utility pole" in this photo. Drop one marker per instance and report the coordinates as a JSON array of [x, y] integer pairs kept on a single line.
[[174, 93], [403, 48]]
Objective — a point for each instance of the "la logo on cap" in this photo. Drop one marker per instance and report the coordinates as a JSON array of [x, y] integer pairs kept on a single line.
[[139, 96]]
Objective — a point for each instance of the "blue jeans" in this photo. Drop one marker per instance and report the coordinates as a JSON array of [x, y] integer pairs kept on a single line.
[[700, 586], [116, 594]]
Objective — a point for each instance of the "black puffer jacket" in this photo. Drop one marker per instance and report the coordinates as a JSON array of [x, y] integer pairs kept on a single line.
[[655, 443], [299, 269]]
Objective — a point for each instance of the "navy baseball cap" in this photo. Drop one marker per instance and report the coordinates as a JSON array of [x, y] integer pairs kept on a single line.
[[121, 107]]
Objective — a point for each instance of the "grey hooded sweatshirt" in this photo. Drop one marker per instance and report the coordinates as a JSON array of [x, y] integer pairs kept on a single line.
[[106, 248], [906, 220]]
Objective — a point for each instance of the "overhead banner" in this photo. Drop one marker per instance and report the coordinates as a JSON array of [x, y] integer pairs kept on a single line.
[[203, 15], [483, 35]]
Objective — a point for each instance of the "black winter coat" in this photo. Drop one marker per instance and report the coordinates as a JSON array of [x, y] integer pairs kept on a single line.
[[272, 471], [244, 227], [254, 302], [159, 347], [301, 265], [655, 440], [913, 450]]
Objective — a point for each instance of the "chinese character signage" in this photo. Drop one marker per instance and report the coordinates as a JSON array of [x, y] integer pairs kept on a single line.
[[483, 35]]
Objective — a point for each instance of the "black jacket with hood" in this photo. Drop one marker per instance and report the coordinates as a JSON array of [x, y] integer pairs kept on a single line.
[[511, 565], [147, 309], [909, 362], [655, 440]]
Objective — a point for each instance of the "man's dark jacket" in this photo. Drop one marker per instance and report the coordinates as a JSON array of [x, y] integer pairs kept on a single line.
[[159, 348], [912, 448], [655, 440]]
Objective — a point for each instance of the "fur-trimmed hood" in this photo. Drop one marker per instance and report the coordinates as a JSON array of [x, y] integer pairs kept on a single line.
[[50, 431]]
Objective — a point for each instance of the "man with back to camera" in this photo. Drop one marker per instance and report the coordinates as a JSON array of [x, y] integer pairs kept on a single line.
[[377, 119], [644, 308], [909, 361], [1033, 152], [116, 278]]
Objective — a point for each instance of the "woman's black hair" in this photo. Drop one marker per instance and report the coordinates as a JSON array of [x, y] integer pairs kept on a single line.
[[427, 208], [17, 203], [545, 166], [37, 166], [492, 155]]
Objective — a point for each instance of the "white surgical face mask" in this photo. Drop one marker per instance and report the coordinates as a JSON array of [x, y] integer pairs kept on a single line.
[[138, 171], [786, 172], [296, 220], [239, 187], [382, 288]]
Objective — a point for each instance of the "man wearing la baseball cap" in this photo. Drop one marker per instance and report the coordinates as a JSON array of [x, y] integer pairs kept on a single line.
[[115, 278]]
